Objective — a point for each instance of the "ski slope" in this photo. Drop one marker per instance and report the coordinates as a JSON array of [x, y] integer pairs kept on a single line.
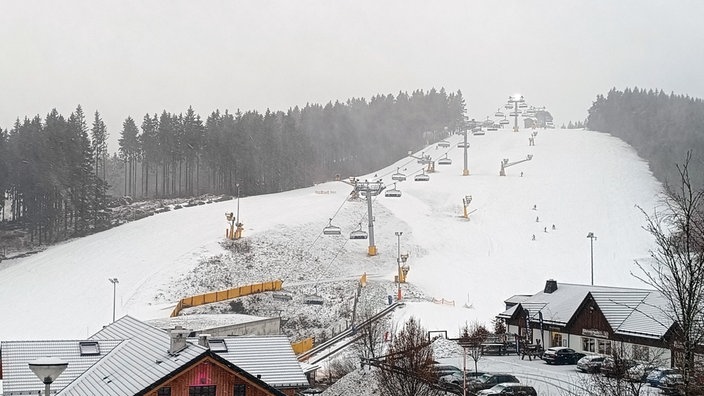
[[579, 181]]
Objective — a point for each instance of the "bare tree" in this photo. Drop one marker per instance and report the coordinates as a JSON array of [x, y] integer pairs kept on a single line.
[[677, 268], [371, 341], [407, 369]]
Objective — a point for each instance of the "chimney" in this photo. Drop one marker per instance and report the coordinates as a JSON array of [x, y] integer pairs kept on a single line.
[[203, 340], [178, 340], [550, 286]]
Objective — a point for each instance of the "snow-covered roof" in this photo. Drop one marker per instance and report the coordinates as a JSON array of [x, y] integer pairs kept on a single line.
[[134, 356], [517, 298], [628, 311], [19, 379], [272, 357], [635, 312]]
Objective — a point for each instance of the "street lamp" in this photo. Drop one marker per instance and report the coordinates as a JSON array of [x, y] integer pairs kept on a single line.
[[48, 369], [398, 262], [114, 282], [592, 237]]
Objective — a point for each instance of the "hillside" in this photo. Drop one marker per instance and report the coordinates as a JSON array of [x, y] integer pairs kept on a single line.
[[579, 181]]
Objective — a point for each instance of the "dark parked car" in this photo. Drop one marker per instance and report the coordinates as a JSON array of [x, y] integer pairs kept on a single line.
[[561, 355], [488, 380], [454, 381], [671, 384], [508, 389]]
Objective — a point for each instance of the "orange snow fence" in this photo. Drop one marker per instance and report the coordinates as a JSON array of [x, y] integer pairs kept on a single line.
[[228, 294]]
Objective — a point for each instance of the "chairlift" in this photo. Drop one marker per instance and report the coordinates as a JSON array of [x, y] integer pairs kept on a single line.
[[508, 106], [463, 145], [331, 229], [283, 295], [359, 233], [522, 105], [443, 143], [393, 193], [421, 177], [504, 122], [445, 161], [498, 113], [313, 299], [398, 176]]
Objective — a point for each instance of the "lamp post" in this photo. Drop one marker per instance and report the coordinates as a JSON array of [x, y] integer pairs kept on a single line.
[[592, 237], [114, 282], [47, 370], [238, 202], [398, 262]]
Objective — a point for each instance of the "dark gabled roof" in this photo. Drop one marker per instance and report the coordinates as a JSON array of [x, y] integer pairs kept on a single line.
[[19, 379]]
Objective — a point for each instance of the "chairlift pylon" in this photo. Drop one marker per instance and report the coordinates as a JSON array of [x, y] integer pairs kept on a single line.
[[331, 229]]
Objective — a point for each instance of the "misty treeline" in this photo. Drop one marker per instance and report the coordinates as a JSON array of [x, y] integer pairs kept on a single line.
[[58, 177], [661, 127]]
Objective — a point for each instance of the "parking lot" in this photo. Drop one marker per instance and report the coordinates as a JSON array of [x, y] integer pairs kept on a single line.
[[546, 379]]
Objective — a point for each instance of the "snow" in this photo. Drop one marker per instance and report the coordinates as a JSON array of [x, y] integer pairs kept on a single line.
[[580, 181]]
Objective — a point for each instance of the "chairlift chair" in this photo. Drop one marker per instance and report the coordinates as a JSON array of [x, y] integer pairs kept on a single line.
[[508, 106], [504, 122], [393, 193], [522, 105], [498, 113], [445, 161], [443, 143], [398, 176], [332, 229], [359, 233], [421, 177], [313, 299]]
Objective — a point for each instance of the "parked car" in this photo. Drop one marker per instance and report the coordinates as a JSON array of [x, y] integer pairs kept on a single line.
[[590, 363], [493, 349], [488, 380], [455, 380], [616, 367], [444, 370], [639, 372], [509, 388], [653, 379], [671, 384], [561, 355]]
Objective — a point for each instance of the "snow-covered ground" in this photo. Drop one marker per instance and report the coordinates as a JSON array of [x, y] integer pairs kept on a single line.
[[579, 181]]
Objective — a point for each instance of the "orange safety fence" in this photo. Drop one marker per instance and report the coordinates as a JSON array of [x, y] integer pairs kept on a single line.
[[304, 345], [228, 294]]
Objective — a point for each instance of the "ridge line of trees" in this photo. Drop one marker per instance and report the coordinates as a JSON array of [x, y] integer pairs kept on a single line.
[[662, 128], [57, 177]]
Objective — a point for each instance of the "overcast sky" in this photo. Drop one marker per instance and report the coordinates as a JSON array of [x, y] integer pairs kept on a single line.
[[128, 58]]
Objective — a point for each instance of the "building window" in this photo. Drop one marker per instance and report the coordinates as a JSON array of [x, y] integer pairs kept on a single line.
[[240, 390], [556, 339], [588, 344], [89, 348], [604, 347], [165, 391], [641, 352], [207, 390]]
